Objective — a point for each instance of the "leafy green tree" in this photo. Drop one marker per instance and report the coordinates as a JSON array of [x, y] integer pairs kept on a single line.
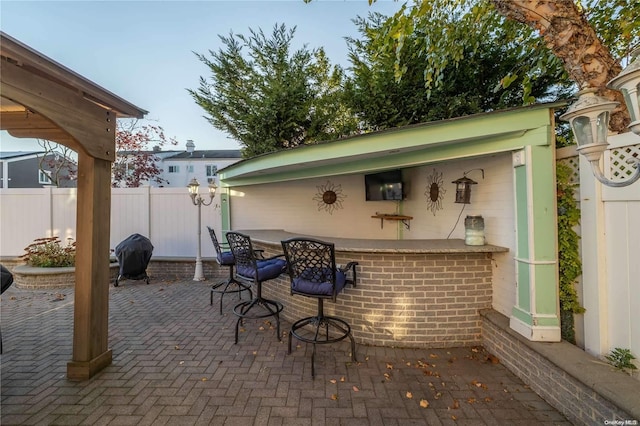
[[383, 98], [589, 37], [269, 97]]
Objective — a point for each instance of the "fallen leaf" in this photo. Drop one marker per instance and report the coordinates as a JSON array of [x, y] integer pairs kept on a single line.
[[387, 376], [255, 352], [493, 359], [454, 418], [438, 395], [334, 381], [471, 400], [389, 366], [433, 356], [424, 403], [342, 379], [409, 395], [355, 389], [455, 405], [474, 350], [488, 399], [181, 362], [176, 347], [204, 379], [334, 397]]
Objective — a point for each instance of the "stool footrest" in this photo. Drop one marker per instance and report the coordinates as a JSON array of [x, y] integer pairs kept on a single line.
[[270, 308], [229, 286], [319, 323]]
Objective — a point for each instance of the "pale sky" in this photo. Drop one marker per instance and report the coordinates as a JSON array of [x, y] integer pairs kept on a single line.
[[143, 50]]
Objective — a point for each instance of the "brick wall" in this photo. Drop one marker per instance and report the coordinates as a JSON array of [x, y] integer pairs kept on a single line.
[[585, 390], [158, 268], [407, 300]]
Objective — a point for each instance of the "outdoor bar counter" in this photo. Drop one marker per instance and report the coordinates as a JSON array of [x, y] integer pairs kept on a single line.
[[409, 293]]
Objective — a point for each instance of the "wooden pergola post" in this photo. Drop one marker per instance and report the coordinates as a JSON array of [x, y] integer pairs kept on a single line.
[[91, 308]]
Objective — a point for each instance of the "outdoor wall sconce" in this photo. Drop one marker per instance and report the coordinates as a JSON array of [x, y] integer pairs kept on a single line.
[[198, 201], [463, 187], [589, 120]]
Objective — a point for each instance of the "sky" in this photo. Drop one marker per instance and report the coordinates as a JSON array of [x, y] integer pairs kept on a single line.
[[143, 51]]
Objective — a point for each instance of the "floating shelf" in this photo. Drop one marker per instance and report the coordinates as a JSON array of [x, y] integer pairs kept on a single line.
[[404, 219]]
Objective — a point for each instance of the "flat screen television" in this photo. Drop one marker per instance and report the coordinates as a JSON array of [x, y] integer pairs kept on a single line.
[[384, 186]]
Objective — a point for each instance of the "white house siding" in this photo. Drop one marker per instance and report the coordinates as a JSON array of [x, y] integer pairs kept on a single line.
[[291, 206], [182, 178]]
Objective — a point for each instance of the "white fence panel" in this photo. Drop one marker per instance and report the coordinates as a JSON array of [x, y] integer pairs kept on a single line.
[[165, 215], [129, 214], [63, 212], [25, 214], [623, 274]]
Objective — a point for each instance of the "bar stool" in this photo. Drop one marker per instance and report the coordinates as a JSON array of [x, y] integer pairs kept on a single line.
[[251, 270], [312, 268], [230, 285]]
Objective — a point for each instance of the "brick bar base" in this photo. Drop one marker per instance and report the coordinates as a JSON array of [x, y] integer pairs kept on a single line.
[[403, 299]]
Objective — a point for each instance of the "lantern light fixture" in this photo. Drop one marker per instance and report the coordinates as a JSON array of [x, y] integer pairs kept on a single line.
[[198, 201], [589, 120], [463, 187], [628, 83]]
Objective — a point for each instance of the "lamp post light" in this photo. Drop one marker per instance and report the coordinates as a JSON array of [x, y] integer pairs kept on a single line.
[[199, 202], [589, 120]]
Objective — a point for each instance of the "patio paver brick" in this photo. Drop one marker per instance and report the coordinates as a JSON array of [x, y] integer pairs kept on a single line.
[[174, 362]]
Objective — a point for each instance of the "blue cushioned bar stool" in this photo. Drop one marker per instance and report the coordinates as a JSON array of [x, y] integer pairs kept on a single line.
[[230, 285], [312, 268], [251, 270]]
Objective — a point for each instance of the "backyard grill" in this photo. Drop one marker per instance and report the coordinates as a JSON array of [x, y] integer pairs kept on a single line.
[[134, 254]]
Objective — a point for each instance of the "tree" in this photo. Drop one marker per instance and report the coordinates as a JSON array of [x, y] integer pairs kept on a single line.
[[472, 85], [135, 164], [590, 38], [268, 97], [57, 163]]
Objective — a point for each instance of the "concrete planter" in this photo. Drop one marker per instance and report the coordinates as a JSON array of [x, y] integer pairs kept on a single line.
[[35, 278]]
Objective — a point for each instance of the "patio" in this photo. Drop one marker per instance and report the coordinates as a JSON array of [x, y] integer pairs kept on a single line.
[[174, 362]]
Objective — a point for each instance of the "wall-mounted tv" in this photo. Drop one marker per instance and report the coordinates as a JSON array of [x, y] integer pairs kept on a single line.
[[384, 186]]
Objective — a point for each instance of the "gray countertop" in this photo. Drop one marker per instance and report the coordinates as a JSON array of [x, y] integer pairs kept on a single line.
[[274, 236]]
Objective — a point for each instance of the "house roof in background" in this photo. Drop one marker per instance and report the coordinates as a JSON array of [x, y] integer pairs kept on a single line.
[[206, 154], [13, 155]]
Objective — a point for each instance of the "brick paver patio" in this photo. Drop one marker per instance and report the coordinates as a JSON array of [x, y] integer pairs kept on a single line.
[[174, 362]]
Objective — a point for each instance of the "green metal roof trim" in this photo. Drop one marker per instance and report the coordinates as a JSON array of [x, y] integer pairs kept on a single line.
[[401, 147]]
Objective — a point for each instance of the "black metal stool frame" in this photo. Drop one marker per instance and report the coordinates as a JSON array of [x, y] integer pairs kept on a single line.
[[314, 261], [247, 271], [230, 285]]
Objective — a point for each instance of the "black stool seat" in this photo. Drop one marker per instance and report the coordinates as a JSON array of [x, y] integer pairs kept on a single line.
[[230, 285], [313, 271], [255, 271]]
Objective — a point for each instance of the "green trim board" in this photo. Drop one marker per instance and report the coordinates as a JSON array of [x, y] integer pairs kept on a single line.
[[537, 303], [464, 137]]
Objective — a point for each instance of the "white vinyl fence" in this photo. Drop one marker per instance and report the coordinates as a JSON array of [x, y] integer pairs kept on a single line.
[[610, 229], [164, 215]]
